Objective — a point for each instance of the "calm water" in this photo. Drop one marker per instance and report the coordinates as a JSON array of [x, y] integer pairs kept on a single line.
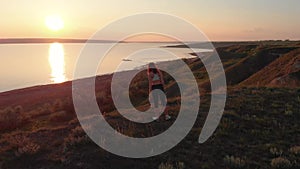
[[24, 65]]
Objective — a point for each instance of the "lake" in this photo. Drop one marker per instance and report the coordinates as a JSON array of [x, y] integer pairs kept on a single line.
[[24, 65]]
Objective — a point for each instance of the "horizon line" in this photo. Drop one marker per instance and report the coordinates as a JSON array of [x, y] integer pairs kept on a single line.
[[83, 40]]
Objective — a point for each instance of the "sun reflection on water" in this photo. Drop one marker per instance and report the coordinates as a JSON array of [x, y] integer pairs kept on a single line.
[[57, 62]]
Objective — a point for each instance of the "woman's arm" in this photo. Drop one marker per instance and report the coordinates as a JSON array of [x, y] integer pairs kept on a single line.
[[161, 78], [149, 82]]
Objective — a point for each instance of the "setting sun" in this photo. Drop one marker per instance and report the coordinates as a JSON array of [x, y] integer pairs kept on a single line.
[[54, 22]]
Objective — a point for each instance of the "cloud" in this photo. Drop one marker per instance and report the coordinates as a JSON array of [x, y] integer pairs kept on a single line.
[[256, 30]]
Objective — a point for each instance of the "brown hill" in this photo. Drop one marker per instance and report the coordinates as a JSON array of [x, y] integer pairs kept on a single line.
[[241, 62], [255, 61], [283, 72]]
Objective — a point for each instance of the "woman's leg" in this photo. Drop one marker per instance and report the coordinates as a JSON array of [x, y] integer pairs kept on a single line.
[[155, 99], [163, 101]]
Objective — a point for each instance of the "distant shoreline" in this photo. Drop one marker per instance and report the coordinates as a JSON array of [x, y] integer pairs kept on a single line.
[[70, 40], [50, 40]]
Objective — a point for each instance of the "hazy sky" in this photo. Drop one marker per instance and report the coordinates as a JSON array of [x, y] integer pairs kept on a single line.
[[218, 19]]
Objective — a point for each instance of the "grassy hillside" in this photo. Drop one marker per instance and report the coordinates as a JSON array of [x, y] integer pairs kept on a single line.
[[256, 59], [259, 129], [284, 71]]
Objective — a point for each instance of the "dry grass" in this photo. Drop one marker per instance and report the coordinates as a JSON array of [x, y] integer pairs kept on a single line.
[[295, 150], [234, 162], [280, 163], [21, 144], [169, 165], [12, 118]]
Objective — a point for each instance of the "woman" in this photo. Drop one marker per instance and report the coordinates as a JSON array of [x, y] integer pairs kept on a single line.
[[156, 81]]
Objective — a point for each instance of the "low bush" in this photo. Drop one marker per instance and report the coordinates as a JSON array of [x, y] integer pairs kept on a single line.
[[168, 165], [295, 150], [23, 145], [60, 116], [76, 137], [12, 118], [234, 162], [280, 163], [276, 152]]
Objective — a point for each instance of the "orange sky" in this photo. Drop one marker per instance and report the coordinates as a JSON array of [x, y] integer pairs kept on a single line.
[[226, 20]]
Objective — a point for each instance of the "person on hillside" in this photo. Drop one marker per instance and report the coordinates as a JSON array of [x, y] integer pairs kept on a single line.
[[156, 81]]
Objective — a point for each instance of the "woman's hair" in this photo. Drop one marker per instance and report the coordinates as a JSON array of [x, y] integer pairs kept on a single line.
[[152, 68]]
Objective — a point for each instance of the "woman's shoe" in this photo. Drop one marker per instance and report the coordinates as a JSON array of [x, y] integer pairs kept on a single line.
[[167, 117], [155, 118]]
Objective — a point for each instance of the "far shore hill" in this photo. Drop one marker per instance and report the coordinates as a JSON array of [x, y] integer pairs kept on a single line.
[[191, 44]]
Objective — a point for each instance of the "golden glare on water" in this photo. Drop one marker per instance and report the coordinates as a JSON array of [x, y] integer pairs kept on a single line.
[[57, 63]]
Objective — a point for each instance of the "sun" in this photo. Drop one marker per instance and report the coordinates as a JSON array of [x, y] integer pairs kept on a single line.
[[54, 22]]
